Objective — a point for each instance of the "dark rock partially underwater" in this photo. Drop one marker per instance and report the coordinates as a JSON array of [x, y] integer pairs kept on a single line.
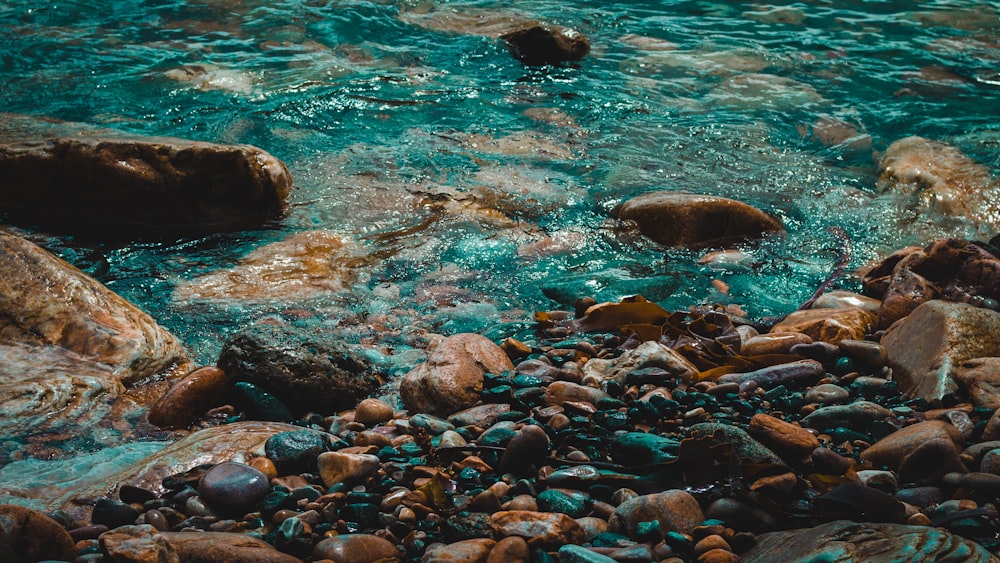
[[111, 183]]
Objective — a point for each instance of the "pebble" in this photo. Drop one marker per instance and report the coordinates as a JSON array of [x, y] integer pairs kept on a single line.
[[113, 513], [234, 487], [577, 554], [189, 398], [869, 354], [295, 451], [137, 543], [782, 437], [511, 549], [547, 530], [528, 447], [372, 412], [827, 393], [466, 551], [340, 467], [674, 510]]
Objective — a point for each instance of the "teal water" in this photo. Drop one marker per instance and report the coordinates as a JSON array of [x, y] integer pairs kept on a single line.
[[375, 105]]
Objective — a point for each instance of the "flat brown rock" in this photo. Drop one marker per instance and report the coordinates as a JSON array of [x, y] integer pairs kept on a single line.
[[828, 325], [221, 547], [692, 220], [304, 265]]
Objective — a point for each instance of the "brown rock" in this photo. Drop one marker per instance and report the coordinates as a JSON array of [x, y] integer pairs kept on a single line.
[[942, 179], [339, 467], [189, 398], [828, 325], [839, 299], [541, 529], [718, 556], [476, 550], [371, 412], [68, 176], [842, 540], [357, 548], [948, 269], [27, 536], [222, 547], [137, 544], [452, 377], [511, 549], [71, 348], [676, 510], [304, 265], [773, 343], [931, 459], [546, 44], [683, 219], [784, 438], [926, 348], [559, 392], [979, 379], [528, 447], [891, 450]]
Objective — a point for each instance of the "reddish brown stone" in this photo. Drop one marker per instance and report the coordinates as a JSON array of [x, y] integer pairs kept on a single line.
[[357, 548], [926, 348], [784, 438], [222, 547], [189, 398], [828, 325], [540, 529], [452, 377], [691, 220], [27, 536]]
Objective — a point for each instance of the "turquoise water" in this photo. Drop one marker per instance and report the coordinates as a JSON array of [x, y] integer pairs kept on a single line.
[[378, 108]]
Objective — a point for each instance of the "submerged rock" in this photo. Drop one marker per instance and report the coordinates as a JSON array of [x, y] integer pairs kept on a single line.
[[305, 372], [71, 347], [684, 219], [845, 541], [302, 266], [103, 181], [828, 325], [941, 179], [546, 44]]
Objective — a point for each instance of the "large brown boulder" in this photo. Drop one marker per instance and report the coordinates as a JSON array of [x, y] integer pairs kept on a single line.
[[927, 348], [27, 536], [692, 220], [108, 182], [74, 353]]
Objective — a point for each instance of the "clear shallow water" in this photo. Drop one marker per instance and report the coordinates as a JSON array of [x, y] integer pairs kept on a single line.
[[408, 138]]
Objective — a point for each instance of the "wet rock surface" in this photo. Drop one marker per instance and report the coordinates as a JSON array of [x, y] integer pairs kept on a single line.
[[108, 182], [682, 219]]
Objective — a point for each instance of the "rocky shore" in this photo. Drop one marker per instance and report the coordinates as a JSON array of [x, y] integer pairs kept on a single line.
[[863, 428]]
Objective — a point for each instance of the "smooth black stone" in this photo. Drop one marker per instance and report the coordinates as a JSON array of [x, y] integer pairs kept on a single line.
[[261, 404], [131, 494], [113, 513], [234, 487]]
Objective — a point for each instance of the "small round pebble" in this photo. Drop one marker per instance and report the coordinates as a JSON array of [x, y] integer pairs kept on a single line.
[[234, 487]]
